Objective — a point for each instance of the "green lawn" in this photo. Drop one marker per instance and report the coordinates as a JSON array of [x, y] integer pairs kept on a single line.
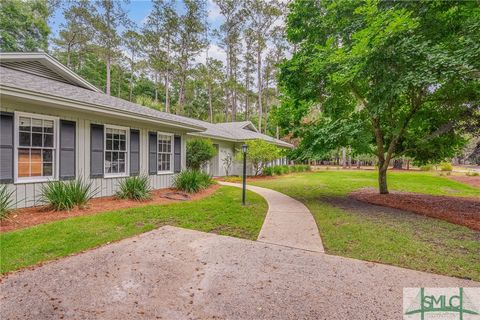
[[380, 234], [221, 213]]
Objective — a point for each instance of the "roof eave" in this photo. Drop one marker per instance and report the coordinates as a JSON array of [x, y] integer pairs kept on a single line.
[[35, 96]]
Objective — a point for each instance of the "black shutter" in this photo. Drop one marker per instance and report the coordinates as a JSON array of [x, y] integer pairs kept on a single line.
[[177, 154], [134, 152], [96, 151], [67, 150], [6, 147], [152, 153]]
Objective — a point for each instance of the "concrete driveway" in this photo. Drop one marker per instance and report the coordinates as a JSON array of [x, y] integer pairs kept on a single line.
[[174, 273]]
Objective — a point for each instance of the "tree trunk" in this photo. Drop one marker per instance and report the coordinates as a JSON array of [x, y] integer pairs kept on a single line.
[[210, 106], [259, 85], [358, 163], [382, 180], [167, 81], [107, 90], [131, 83], [344, 157], [398, 164]]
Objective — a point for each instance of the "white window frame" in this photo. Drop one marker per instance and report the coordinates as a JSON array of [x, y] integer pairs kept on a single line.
[[56, 135], [171, 152], [127, 147]]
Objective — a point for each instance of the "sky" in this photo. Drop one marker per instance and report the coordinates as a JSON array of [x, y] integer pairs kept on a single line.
[[138, 11]]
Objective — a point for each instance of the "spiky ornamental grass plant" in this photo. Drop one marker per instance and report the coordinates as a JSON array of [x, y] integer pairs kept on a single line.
[[134, 188], [65, 195], [6, 202], [192, 181]]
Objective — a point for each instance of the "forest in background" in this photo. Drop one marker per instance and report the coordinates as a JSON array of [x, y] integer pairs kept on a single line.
[[164, 62]]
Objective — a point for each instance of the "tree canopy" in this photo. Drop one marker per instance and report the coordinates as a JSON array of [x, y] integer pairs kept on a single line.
[[392, 78]]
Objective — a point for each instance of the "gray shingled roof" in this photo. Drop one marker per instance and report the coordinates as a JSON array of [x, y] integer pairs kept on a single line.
[[25, 81], [235, 131]]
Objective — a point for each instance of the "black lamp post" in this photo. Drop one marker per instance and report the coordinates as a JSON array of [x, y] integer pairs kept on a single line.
[[244, 151]]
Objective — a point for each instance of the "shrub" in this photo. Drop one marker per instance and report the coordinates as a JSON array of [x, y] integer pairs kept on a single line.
[[268, 171], [199, 151], [426, 167], [60, 195], [307, 167], [472, 173], [278, 170], [134, 188], [286, 169], [6, 201], [446, 166], [259, 153], [294, 168], [192, 181]]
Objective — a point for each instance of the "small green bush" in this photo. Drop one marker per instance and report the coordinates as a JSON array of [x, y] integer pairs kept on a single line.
[[472, 173], [192, 181], [426, 167], [446, 166], [307, 167], [294, 168], [134, 188], [6, 201], [199, 151], [268, 171], [65, 195], [278, 170], [286, 169]]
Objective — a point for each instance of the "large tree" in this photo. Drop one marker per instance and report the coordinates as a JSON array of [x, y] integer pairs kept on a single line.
[[398, 76], [24, 25]]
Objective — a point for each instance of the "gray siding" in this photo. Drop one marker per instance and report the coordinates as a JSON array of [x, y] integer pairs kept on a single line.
[[28, 194]]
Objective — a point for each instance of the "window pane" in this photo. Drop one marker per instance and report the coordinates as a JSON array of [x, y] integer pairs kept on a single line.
[[121, 156], [23, 169], [48, 126], [114, 156], [23, 155], [121, 167], [115, 144], [36, 155], [109, 144], [109, 135], [23, 162], [24, 124], [123, 145], [48, 169], [114, 167], [37, 125], [24, 139], [48, 140], [36, 139], [47, 155], [116, 136]]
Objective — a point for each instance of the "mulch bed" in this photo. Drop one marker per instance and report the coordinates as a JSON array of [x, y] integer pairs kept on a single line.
[[473, 180], [27, 217], [459, 210]]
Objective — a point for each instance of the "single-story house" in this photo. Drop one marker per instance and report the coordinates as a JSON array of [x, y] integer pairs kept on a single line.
[[228, 138], [54, 125]]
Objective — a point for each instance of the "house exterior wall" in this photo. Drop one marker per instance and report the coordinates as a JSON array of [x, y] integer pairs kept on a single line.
[[28, 194]]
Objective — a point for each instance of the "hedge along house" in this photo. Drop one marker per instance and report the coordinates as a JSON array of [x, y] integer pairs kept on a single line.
[[228, 137], [54, 125]]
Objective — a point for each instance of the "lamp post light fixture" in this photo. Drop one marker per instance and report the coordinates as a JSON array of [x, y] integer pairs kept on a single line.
[[244, 151]]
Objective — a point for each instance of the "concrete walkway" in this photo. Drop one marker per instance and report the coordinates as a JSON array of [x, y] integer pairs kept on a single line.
[[288, 222], [173, 273]]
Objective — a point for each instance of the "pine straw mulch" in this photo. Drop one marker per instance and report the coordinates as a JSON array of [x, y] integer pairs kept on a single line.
[[474, 181], [458, 210], [27, 217]]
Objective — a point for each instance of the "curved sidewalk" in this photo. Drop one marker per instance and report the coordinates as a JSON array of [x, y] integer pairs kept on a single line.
[[288, 221]]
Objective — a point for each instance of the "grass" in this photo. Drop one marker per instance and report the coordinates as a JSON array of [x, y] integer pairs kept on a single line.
[[405, 240], [221, 213]]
